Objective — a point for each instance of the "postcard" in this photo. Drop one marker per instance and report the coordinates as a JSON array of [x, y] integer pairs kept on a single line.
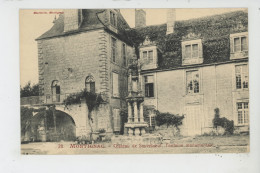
[[134, 81]]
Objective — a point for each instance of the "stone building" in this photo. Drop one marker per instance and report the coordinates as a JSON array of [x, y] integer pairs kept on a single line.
[[189, 67], [192, 67]]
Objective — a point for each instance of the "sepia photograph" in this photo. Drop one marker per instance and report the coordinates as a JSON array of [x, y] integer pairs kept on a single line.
[[134, 81]]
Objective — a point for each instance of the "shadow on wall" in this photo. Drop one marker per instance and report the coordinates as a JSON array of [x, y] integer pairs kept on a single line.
[[50, 129]]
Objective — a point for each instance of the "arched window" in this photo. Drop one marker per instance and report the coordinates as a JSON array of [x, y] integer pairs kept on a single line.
[[55, 89], [90, 84]]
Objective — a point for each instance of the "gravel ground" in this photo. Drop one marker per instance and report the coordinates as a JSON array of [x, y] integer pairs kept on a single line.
[[199, 144]]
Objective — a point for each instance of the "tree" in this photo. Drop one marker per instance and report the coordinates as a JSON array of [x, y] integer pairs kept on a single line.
[[29, 90]]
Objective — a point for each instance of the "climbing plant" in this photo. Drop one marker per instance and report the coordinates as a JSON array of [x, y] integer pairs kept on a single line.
[[214, 31], [92, 100], [228, 125]]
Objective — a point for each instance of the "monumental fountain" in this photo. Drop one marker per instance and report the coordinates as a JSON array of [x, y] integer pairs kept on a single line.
[[136, 125]]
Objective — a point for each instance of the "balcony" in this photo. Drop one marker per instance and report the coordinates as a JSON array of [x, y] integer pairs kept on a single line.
[[46, 99]]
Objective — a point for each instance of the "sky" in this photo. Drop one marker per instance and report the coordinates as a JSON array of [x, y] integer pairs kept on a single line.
[[33, 25]]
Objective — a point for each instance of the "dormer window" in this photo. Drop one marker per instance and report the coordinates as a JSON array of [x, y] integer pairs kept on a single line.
[[192, 52], [113, 18], [239, 45], [149, 57]]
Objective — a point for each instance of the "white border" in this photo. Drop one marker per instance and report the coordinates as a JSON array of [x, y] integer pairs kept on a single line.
[[12, 161]]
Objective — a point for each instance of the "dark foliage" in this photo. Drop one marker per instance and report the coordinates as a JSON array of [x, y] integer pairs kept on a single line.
[[214, 32], [93, 101], [228, 125], [26, 118], [29, 90], [161, 118], [169, 119]]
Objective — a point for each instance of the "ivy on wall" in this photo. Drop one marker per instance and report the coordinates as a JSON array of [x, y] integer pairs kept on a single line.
[[214, 32]]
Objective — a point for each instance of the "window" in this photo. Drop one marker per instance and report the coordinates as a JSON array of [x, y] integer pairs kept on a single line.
[[55, 89], [90, 84], [191, 51], [241, 76], [240, 44], [115, 84], [113, 49], [148, 57], [192, 82], [149, 86], [124, 53], [242, 113], [112, 18]]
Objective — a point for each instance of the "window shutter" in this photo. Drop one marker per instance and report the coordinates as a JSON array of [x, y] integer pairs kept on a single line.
[[231, 45], [116, 119], [200, 50]]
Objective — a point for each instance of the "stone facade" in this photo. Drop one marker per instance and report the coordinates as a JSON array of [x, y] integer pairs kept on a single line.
[[217, 90], [102, 50], [69, 59]]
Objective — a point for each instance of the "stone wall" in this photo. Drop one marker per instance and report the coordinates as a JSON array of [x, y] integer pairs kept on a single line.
[[217, 89], [70, 59]]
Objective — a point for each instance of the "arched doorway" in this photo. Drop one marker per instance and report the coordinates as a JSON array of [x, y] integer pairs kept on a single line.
[[45, 128]]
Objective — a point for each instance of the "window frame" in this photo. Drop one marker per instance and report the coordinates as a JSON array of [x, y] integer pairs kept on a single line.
[[191, 51], [148, 61], [113, 49], [90, 81], [240, 43], [244, 112], [147, 93], [243, 75], [193, 84], [198, 59]]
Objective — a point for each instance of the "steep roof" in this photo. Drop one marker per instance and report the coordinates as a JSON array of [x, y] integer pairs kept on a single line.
[[92, 19], [214, 31]]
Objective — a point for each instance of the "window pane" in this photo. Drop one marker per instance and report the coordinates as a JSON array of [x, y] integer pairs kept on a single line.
[[145, 55], [189, 82], [238, 81], [243, 43], [237, 44], [239, 105], [195, 50], [188, 51], [196, 87], [240, 117], [150, 56], [246, 105], [149, 90]]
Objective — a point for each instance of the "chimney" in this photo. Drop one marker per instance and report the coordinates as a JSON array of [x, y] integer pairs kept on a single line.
[[171, 17], [140, 18], [72, 19]]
